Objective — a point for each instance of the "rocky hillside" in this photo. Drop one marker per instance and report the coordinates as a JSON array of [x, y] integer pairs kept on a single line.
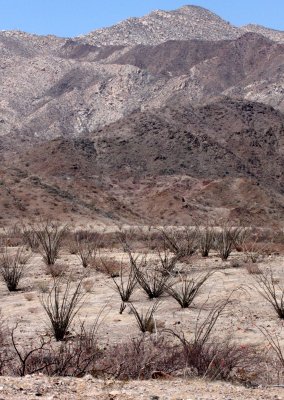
[[174, 164], [164, 117], [55, 87], [185, 23]]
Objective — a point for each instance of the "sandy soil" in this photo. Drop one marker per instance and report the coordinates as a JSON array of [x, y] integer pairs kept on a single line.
[[241, 321]]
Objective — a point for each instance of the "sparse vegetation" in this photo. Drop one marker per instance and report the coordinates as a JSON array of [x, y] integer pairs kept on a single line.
[[145, 320], [151, 279], [206, 235], [226, 238], [124, 285], [187, 288], [182, 241], [13, 267], [270, 289], [49, 236], [87, 246], [61, 304]]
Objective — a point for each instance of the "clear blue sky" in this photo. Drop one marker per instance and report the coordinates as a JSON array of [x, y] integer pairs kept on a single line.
[[74, 17]]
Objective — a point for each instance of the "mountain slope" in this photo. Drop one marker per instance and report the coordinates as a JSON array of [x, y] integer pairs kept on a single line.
[[171, 165], [186, 23], [72, 89], [160, 119]]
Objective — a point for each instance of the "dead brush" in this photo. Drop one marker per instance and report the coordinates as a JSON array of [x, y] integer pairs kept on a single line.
[[110, 266], [253, 269], [186, 290], [61, 304], [87, 246], [49, 236], [270, 289], [226, 238], [275, 344], [75, 357], [207, 355], [143, 357], [152, 280], [182, 242], [145, 320], [13, 267], [206, 236], [56, 270], [124, 284]]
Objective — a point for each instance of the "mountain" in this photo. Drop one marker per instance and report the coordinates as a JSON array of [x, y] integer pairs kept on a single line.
[[162, 119], [53, 87], [186, 23]]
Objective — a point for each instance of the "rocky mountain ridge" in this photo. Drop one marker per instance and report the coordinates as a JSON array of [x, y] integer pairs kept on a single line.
[[164, 124], [186, 23]]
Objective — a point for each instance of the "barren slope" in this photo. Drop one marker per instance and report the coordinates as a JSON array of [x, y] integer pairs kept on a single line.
[[68, 87], [171, 165]]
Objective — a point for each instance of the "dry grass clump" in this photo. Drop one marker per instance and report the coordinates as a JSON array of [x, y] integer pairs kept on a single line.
[[88, 285], [29, 296], [56, 270], [75, 357], [253, 269], [110, 266]]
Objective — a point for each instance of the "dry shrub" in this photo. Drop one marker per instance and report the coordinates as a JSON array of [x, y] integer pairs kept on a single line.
[[62, 303], [110, 266], [29, 296], [213, 358], [226, 239], [88, 285], [142, 358], [49, 236], [13, 267], [149, 357], [271, 290], [222, 360], [187, 288], [56, 270], [145, 320], [253, 269], [75, 357]]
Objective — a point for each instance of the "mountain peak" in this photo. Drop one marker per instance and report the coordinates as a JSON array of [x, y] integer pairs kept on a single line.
[[186, 23]]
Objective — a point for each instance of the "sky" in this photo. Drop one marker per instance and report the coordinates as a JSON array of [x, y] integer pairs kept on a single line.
[[67, 18]]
